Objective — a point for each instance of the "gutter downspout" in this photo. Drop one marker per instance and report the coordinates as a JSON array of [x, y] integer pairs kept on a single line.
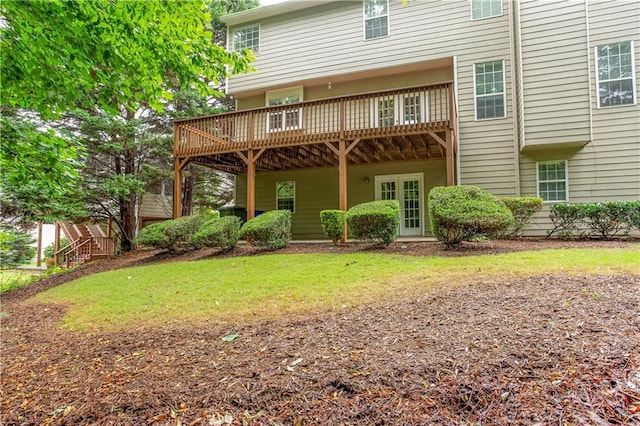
[[455, 91], [516, 76]]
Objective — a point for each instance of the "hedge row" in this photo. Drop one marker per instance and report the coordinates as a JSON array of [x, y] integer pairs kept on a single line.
[[271, 229], [605, 220]]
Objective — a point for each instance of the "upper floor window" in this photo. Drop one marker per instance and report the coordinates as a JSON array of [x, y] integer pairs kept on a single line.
[[552, 180], [286, 196], [489, 90], [481, 9], [616, 76], [247, 38], [376, 18]]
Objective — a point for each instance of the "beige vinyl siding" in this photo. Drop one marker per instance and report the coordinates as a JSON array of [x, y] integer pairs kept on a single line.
[[154, 206], [317, 190], [555, 75]]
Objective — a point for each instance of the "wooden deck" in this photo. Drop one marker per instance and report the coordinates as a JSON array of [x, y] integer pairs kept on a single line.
[[416, 123]]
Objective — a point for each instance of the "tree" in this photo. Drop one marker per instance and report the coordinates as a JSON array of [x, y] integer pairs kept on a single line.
[[15, 248], [60, 54]]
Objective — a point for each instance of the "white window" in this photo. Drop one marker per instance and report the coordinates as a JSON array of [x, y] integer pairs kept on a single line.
[[283, 119], [286, 196], [376, 18], [616, 74], [481, 9], [392, 110], [488, 81], [247, 38], [553, 181]]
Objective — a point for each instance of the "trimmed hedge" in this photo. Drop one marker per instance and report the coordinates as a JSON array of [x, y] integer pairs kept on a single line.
[[522, 209], [605, 220], [376, 221], [171, 234], [221, 232], [333, 222], [271, 229], [465, 213]]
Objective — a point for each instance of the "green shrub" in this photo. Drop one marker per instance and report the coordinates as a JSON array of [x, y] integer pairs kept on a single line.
[[271, 229], [522, 209], [223, 232], [171, 234], [376, 221], [608, 219], [15, 248], [333, 222], [605, 220], [634, 215], [466, 213], [50, 250], [567, 220]]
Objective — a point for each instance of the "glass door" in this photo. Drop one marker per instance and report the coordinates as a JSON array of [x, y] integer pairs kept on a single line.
[[407, 189]]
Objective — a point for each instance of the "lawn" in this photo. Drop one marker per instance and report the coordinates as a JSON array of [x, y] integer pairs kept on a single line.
[[12, 280], [272, 286]]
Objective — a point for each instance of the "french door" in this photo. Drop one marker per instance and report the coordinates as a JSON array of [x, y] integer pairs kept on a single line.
[[407, 189]]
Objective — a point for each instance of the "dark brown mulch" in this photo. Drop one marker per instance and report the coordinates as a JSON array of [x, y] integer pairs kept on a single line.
[[550, 349]]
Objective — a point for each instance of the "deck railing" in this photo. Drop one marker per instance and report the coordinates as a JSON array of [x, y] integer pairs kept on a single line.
[[390, 113]]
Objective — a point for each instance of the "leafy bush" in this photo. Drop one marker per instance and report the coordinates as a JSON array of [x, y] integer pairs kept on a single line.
[[222, 232], [333, 222], [15, 248], [522, 209], [271, 229], [466, 213], [50, 250], [376, 221], [605, 220], [171, 234]]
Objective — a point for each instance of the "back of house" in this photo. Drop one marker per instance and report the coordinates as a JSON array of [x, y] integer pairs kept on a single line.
[[353, 101]]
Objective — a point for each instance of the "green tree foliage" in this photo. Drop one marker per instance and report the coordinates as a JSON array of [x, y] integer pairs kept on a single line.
[[220, 8], [15, 248], [464, 213], [60, 54], [38, 172]]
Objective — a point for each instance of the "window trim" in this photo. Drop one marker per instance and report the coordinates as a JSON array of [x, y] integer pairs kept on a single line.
[[294, 194], [399, 109], [504, 92], [233, 46], [281, 93], [484, 17], [566, 181], [633, 76], [364, 23]]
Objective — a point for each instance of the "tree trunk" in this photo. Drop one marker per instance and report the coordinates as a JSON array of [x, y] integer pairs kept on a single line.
[[128, 206], [187, 191]]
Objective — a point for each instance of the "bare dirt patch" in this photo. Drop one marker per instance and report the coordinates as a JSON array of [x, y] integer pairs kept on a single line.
[[540, 350]]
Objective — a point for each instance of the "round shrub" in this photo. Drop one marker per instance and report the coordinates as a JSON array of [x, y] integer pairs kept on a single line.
[[333, 222], [171, 234], [464, 213], [221, 232], [522, 209], [271, 229], [376, 221]]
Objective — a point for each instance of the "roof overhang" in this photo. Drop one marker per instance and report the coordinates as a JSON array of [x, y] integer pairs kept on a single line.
[[271, 10]]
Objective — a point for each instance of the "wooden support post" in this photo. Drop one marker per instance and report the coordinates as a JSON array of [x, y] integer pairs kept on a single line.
[[450, 159], [251, 185], [342, 179], [177, 188], [39, 249], [56, 243]]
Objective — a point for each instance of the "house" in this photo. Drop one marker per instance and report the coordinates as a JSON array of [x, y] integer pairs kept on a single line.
[[353, 101]]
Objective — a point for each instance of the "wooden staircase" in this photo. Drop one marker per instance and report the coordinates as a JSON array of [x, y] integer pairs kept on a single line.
[[86, 244]]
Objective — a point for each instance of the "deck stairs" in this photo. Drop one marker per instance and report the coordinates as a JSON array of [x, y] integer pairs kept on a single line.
[[86, 244]]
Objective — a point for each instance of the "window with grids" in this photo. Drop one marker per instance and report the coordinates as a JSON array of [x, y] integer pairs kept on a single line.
[[615, 74], [286, 196], [489, 90], [481, 9], [376, 18], [247, 38], [552, 180], [411, 109]]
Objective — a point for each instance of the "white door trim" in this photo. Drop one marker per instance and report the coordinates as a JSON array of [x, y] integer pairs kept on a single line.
[[399, 178]]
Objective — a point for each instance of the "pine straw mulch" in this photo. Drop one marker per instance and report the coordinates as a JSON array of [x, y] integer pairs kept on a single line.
[[549, 349]]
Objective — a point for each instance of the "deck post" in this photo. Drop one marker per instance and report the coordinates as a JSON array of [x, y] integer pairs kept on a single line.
[[450, 159], [342, 178], [39, 249], [177, 189], [56, 243], [251, 185]]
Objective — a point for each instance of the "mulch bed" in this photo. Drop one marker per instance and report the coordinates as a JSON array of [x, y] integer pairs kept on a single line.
[[549, 349]]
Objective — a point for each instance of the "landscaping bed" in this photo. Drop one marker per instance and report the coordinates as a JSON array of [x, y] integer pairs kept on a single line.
[[548, 349]]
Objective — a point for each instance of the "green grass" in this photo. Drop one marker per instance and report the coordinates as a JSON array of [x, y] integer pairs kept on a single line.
[[270, 286], [11, 280]]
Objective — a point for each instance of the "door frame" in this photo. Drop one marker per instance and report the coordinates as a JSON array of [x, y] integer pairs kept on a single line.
[[399, 178]]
